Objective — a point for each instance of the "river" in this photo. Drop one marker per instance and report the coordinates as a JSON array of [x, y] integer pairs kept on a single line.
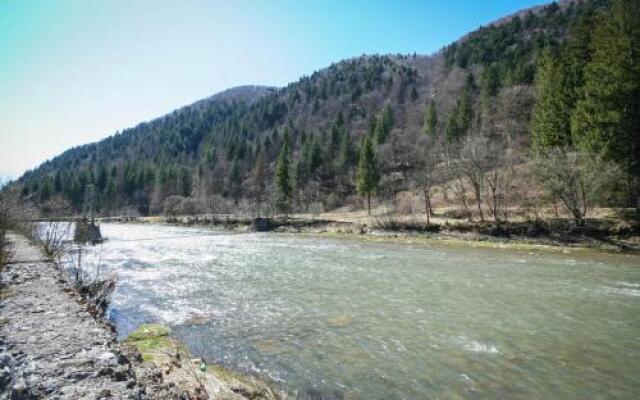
[[338, 319]]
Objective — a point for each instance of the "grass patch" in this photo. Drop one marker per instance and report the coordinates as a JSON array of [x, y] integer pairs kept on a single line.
[[153, 341]]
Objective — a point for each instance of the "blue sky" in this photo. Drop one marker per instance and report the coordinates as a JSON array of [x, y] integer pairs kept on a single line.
[[75, 71]]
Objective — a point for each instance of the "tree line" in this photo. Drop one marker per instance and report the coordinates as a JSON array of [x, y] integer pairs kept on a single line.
[[548, 88]]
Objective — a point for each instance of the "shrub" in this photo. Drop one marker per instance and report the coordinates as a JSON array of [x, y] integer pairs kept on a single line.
[[5, 222]]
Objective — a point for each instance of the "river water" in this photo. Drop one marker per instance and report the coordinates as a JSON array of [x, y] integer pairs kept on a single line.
[[330, 319]]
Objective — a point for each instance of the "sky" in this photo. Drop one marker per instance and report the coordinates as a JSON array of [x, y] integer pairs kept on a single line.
[[76, 71]]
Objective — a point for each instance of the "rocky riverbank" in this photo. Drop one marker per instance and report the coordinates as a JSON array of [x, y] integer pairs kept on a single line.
[[51, 346]]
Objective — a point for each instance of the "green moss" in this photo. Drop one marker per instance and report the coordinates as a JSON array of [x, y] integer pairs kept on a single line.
[[155, 344], [153, 341]]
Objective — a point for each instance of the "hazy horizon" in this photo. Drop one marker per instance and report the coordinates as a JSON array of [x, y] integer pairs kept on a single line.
[[74, 72]]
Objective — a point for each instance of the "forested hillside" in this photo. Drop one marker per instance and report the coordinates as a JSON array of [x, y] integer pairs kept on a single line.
[[540, 108]]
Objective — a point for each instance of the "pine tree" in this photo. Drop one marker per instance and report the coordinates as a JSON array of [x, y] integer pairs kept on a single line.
[[552, 111], [384, 124], [452, 131], [607, 117], [414, 93], [57, 182], [576, 53], [388, 119], [46, 191], [283, 175], [460, 119], [335, 137], [101, 181], [490, 83], [347, 151], [430, 119], [258, 179], [367, 175], [465, 106], [379, 131], [234, 180], [184, 182]]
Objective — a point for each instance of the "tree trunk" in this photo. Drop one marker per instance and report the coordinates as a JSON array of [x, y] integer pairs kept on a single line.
[[506, 209], [427, 204], [583, 195], [494, 207], [479, 203], [369, 203]]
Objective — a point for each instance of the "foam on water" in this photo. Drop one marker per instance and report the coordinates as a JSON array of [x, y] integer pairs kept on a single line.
[[338, 319], [476, 346]]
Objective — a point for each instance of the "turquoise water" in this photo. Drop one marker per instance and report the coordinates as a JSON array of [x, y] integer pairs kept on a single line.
[[329, 319]]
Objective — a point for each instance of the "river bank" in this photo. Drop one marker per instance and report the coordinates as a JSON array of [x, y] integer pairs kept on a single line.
[[52, 346], [558, 234]]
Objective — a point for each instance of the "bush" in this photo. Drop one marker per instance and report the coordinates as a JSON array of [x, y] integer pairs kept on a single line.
[[5, 249], [52, 237], [5, 222]]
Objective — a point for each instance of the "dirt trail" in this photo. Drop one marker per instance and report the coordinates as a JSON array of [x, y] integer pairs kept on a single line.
[[51, 347]]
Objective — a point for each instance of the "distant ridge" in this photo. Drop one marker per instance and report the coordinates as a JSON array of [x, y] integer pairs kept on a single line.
[[225, 146]]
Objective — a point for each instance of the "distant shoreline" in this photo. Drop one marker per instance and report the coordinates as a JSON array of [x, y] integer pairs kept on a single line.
[[515, 235]]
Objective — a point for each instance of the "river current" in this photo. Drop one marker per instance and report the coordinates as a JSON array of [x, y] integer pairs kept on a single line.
[[338, 319]]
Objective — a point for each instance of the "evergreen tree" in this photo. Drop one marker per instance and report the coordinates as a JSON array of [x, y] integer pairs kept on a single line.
[[347, 151], [101, 181], [234, 180], [258, 180], [384, 124], [431, 119], [461, 117], [184, 182], [367, 175], [371, 126], [552, 111], [414, 93], [57, 182], [452, 131], [335, 137], [46, 191], [490, 83], [607, 117], [576, 53], [283, 175], [379, 132], [388, 119], [465, 106]]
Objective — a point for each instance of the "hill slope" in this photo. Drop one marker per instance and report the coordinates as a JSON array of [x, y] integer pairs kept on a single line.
[[219, 154]]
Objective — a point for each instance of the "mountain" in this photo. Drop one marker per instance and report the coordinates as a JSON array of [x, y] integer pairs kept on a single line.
[[248, 94], [221, 153]]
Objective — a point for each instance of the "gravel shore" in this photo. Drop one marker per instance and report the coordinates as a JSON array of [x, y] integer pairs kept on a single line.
[[51, 347]]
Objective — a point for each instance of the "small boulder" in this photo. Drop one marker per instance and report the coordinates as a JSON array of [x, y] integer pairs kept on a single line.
[[108, 358]]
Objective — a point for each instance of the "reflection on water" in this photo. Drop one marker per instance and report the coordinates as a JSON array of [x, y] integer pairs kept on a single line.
[[349, 320]]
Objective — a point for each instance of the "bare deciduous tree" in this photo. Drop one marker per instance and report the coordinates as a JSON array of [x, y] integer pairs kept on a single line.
[[427, 171], [502, 160], [474, 163], [561, 172]]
